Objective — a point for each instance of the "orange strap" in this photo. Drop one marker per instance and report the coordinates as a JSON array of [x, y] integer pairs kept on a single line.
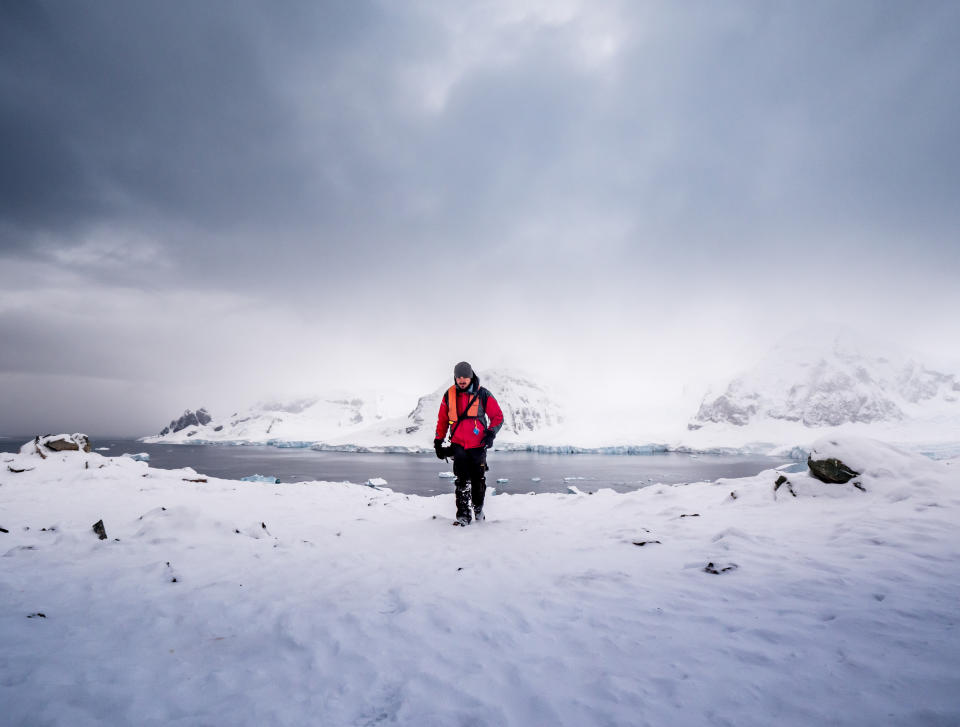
[[452, 415]]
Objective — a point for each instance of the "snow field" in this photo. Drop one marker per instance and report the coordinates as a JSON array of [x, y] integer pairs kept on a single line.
[[338, 604]]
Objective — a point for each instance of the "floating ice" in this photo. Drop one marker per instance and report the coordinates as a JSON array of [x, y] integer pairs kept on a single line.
[[446, 475], [139, 456], [375, 482], [535, 479], [261, 478], [502, 480]]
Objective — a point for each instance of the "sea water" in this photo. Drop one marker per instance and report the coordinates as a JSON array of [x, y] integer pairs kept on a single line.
[[419, 473]]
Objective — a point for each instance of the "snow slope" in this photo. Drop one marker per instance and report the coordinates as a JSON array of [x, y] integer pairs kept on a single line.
[[809, 386], [223, 602], [351, 422], [530, 412], [833, 381], [302, 421]]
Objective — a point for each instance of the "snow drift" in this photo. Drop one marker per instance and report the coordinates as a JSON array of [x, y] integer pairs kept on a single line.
[[223, 602]]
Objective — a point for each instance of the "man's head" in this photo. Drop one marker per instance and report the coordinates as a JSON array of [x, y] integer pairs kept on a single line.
[[463, 374]]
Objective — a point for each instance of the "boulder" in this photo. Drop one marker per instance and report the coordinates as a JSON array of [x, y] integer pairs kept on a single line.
[[830, 470], [65, 442]]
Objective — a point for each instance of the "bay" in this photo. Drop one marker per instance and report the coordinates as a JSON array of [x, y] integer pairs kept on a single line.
[[420, 473]]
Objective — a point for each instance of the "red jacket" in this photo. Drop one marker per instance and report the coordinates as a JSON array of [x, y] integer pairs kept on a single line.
[[470, 431]]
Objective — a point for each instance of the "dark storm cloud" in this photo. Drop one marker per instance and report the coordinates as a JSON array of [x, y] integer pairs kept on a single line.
[[716, 122], [120, 109]]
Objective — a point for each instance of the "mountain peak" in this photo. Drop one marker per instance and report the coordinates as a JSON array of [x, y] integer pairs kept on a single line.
[[828, 380]]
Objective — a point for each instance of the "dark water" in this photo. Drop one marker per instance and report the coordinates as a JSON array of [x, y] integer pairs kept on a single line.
[[418, 473]]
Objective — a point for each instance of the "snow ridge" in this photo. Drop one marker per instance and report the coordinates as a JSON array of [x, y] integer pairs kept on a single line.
[[842, 380]]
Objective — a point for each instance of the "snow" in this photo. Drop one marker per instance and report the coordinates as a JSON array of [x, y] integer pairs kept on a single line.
[[224, 602], [298, 423]]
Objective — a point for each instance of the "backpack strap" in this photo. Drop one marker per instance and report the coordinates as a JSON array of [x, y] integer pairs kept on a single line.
[[459, 418]]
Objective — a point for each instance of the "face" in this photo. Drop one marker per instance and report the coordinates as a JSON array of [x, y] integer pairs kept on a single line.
[[463, 382]]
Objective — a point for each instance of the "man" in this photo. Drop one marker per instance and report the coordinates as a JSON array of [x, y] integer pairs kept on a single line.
[[465, 409]]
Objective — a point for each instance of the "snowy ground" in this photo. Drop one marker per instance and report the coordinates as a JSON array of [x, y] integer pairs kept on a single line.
[[229, 603]]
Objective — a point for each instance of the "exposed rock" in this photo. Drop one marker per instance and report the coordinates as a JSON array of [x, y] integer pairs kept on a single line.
[[718, 568], [189, 419], [782, 480], [65, 442], [830, 470], [100, 530]]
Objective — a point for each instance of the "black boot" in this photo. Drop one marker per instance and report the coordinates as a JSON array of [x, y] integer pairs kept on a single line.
[[477, 493], [462, 496]]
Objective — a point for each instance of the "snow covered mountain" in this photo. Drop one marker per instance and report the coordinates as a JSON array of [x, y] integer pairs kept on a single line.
[[528, 410], [830, 382], [300, 421], [354, 422]]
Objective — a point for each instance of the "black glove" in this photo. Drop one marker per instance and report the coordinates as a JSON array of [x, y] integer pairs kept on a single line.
[[488, 439], [438, 448]]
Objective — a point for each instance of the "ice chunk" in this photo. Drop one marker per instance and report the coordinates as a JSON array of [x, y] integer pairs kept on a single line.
[[139, 456], [535, 479], [261, 478], [375, 482], [446, 475], [502, 481]]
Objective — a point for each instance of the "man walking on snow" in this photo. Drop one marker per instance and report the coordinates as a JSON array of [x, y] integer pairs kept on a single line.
[[474, 418]]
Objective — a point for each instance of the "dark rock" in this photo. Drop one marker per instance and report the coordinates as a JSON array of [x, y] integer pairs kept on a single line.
[[67, 444], [100, 530], [718, 569], [781, 480], [189, 419], [645, 542], [37, 615], [830, 470], [218, 428]]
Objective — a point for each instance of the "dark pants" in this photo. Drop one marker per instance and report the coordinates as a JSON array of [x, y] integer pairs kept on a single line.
[[469, 466]]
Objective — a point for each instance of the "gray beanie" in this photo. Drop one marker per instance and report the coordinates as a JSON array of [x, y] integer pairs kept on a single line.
[[463, 369]]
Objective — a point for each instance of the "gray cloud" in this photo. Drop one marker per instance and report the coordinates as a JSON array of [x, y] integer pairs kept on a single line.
[[350, 166]]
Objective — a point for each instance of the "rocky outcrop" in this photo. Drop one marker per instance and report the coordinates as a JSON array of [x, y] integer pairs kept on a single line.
[[189, 419], [831, 470], [64, 442]]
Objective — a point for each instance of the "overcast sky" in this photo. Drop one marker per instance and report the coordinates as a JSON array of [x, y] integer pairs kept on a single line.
[[214, 202]]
